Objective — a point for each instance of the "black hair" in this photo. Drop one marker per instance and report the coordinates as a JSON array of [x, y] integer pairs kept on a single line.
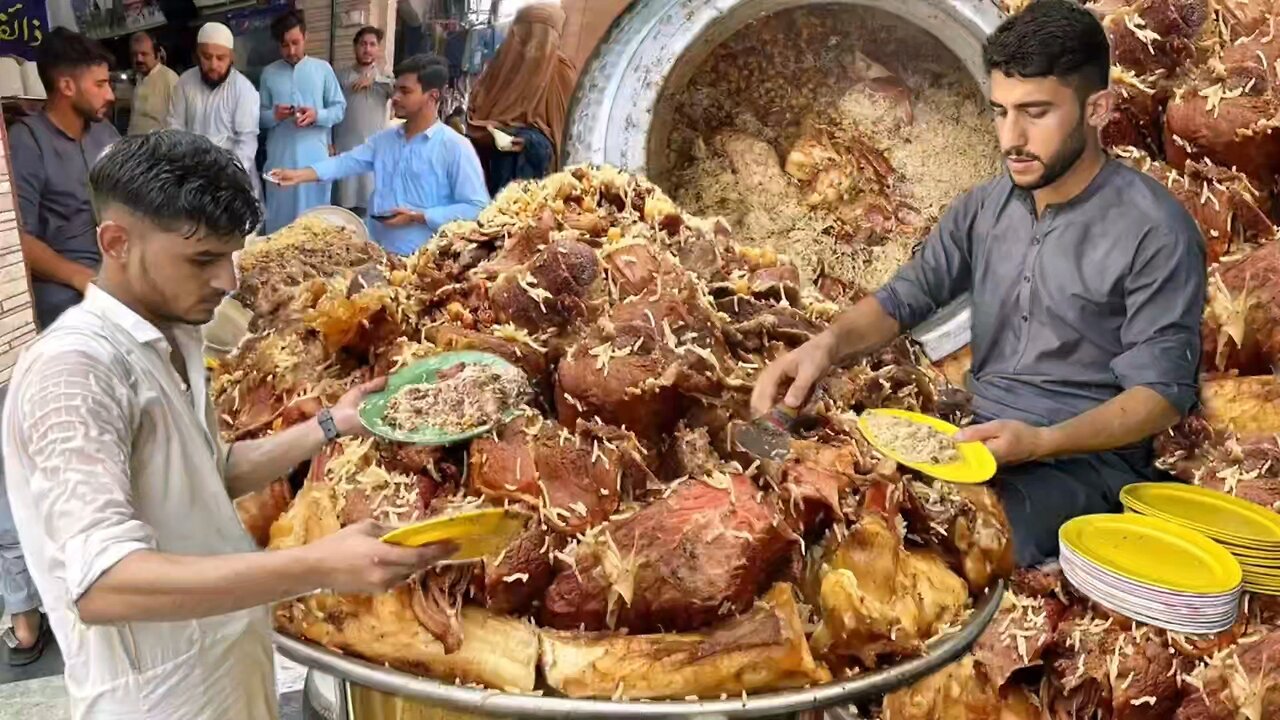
[[432, 72], [1052, 38], [368, 30], [63, 52], [282, 24], [178, 180]]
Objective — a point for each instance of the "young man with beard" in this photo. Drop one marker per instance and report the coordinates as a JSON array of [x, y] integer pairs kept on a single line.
[[118, 478], [368, 88], [425, 174], [301, 102], [1088, 284], [217, 101], [52, 154], [155, 85]]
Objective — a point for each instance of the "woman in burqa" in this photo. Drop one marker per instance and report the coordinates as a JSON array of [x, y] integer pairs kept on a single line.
[[524, 93]]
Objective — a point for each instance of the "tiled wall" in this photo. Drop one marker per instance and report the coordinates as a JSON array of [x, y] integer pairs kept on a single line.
[[17, 322]]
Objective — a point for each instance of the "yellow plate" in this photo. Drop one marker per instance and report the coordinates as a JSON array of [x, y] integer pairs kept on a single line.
[[976, 463], [1220, 514], [1154, 552], [1233, 543], [1273, 589], [477, 533]]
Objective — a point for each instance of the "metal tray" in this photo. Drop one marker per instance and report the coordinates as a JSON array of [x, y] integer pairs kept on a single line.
[[499, 704]]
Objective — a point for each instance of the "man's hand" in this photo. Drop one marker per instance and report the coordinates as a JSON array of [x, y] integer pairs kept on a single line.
[[354, 560], [283, 112], [346, 412], [364, 82], [289, 178], [804, 366], [1012, 442], [403, 218], [306, 117]]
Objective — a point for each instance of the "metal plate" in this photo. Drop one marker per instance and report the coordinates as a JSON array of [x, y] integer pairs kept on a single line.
[[341, 217], [508, 705]]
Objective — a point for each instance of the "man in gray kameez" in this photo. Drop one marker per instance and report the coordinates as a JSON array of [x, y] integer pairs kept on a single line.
[[1088, 283], [368, 89]]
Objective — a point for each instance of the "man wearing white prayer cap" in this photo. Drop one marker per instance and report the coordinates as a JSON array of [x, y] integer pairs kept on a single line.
[[217, 101]]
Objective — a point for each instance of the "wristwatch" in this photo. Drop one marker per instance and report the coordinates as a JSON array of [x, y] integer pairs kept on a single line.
[[330, 428]]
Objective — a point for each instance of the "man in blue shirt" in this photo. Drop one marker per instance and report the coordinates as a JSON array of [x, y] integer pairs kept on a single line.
[[425, 174]]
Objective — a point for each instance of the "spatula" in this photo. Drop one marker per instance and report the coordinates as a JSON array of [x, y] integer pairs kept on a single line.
[[768, 436]]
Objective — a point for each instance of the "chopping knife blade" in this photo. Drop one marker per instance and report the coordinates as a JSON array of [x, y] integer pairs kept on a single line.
[[768, 436]]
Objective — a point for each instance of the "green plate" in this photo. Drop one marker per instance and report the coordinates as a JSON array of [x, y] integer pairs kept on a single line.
[[374, 408]]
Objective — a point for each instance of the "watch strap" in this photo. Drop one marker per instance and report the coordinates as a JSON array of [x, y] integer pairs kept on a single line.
[[330, 428]]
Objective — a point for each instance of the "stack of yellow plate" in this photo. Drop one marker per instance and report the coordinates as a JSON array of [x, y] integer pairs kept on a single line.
[[1247, 530], [1152, 571]]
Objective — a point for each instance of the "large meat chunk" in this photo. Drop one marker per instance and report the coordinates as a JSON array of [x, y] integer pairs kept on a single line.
[[959, 691], [576, 479], [679, 563], [557, 288], [879, 599], [1242, 320], [1231, 212], [1118, 672], [1152, 35], [1018, 636], [765, 648], [1242, 682], [1134, 119], [1228, 121], [635, 368], [966, 524], [514, 580]]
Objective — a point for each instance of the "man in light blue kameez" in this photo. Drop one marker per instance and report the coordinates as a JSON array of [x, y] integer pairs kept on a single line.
[[301, 102], [425, 174]]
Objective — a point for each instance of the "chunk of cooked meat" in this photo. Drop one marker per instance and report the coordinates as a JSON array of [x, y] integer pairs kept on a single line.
[[959, 691], [680, 563], [436, 600], [576, 479], [764, 648], [1120, 672], [967, 525], [1018, 636], [879, 599], [1241, 682], [514, 580]]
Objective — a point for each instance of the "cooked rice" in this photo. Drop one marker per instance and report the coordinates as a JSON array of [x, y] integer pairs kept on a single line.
[[477, 396], [915, 442]]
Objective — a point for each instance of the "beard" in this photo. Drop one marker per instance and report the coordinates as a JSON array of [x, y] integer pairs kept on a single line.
[[214, 82], [89, 112], [1060, 163]]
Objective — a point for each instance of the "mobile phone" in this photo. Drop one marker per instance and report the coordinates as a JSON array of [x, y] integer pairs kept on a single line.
[[381, 218]]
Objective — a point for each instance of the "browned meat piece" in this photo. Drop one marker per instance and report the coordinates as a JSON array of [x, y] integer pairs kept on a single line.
[[1243, 682], [690, 455], [1018, 636], [967, 525], [1243, 18], [1231, 213], [880, 599], [1037, 582], [1124, 674], [679, 563], [632, 369], [1218, 120], [523, 354], [554, 290], [959, 691], [518, 576], [1152, 35], [1242, 320], [1134, 120], [815, 478], [577, 479], [436, 601], [259, 510]]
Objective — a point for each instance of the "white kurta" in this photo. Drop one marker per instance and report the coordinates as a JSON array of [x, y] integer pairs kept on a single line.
[[107, 453], [151, 101], [227, 115], [366, 114]]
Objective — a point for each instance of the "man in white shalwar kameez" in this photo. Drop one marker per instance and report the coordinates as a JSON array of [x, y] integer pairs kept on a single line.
[[301, 101], [217, 101], [120, 482], [368, 88]]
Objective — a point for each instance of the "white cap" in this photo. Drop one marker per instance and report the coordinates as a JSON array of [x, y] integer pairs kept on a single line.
[[216, 34]]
